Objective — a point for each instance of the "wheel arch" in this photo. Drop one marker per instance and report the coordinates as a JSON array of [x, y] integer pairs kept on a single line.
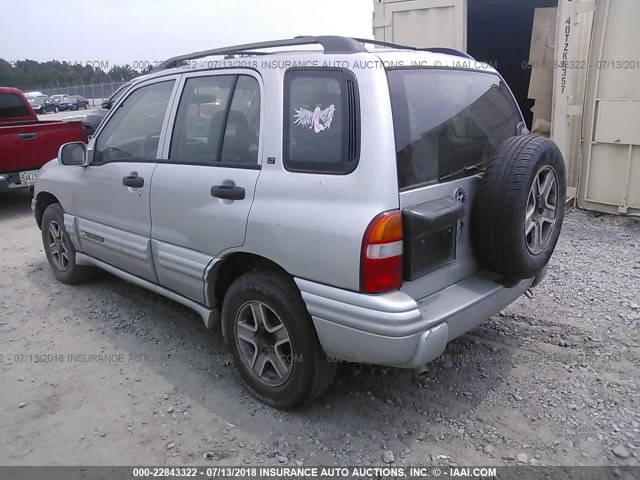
[[230, 268], [43, 200]]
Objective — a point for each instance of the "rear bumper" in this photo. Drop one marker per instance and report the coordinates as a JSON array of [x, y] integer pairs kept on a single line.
[[395, 330], [10, 182]]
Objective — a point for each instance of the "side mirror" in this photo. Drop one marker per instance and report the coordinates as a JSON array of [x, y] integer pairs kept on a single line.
[[74, 153], [106, 104]]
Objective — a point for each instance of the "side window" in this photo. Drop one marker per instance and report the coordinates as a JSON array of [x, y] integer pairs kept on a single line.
[[133, 131], [321, 121], [241, 135], [211, 130]]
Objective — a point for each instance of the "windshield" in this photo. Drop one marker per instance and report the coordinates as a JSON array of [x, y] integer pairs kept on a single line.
[[37, 100], [71, 99], [118, 93], [446, 120]]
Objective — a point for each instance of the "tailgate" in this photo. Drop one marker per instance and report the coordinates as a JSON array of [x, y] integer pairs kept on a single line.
[[439, 250], [28, 147], [447, 124]]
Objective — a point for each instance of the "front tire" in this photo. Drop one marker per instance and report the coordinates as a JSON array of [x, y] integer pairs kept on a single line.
[[60, 252], [274, 344]]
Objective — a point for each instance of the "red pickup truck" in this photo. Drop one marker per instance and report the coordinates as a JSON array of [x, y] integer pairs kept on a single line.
[[27, 143]]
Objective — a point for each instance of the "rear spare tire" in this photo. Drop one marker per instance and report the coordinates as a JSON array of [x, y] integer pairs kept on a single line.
[[520, 206]]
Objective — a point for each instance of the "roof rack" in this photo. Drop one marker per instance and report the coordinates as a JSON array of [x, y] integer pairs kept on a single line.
[[385, 44], [443, 50], [331, 44], [449, 51]]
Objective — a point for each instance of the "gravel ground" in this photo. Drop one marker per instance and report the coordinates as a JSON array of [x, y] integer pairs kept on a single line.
[[551, 380]]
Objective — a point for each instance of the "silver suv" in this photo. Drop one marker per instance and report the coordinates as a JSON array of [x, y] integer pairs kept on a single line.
[[323, 205]]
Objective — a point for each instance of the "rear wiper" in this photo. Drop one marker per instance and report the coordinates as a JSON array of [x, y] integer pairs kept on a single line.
[[468, 168]]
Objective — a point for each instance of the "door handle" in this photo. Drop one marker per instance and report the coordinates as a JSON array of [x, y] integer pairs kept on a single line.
[[228, 192], [27, 136], [133, 181]]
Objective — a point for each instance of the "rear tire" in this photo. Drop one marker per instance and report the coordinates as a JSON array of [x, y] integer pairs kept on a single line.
[[274, 344], [60, 252]]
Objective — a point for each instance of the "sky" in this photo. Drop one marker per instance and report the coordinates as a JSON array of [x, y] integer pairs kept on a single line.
[[128, 31]]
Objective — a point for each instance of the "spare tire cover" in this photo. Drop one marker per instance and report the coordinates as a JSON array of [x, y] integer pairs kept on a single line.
[[520, 206]]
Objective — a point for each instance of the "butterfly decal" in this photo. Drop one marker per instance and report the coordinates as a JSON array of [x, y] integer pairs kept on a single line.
[[317, 119]]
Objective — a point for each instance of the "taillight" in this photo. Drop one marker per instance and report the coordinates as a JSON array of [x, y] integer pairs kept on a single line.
[[381, 257]]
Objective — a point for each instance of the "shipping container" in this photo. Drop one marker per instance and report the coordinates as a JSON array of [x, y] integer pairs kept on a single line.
[[574, 68]]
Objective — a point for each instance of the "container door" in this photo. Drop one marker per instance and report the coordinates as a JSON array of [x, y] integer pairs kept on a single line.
[[422, 23], [572, 46], [610, 178]]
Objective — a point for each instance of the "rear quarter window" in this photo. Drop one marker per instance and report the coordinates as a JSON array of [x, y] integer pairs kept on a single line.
[[321, 121], [12, 106]]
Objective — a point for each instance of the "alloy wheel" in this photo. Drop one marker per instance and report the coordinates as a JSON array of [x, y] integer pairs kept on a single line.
[[58, 246], [542, 207], [263, 343]]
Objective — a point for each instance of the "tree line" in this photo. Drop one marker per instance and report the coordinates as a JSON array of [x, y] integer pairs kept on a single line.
[[33, 75]]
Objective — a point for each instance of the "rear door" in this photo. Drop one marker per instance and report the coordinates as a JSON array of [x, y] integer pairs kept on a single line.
[[447, 124], [204, 185], [49, 106], [111, 195]]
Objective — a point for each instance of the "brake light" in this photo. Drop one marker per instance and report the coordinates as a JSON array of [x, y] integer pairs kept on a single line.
[[381, 256]]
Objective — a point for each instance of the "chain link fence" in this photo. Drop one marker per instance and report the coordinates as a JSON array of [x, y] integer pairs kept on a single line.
[[95, 93]]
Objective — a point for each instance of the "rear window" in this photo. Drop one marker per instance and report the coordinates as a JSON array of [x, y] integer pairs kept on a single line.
[[446, 120], [12, 106]]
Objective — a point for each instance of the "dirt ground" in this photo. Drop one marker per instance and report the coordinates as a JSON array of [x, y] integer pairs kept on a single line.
[[106, 373]]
